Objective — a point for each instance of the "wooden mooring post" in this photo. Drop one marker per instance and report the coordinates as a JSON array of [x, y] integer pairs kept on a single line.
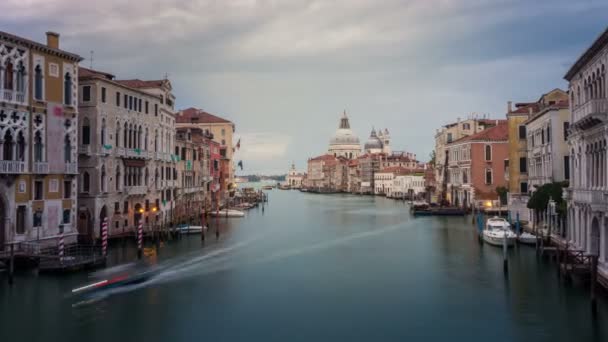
[[11, 266], [505, 260], [593, 294]]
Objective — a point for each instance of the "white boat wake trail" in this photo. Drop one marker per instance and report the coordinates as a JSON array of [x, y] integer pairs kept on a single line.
[[219, 260]]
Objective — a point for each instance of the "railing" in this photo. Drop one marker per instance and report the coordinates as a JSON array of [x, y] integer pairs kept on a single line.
[[595, 106], [84, 149], [135, 153], [41, 167], [71, 168], [120, 151], [12, 166], [11, 96], [588, 196], [137, 190]]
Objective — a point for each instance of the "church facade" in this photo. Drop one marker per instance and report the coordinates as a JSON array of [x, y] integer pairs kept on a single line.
[[344, 143]]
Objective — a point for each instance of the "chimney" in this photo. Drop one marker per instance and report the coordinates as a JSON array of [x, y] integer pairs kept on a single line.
[[52, 40], [530, 110], [509, 106]]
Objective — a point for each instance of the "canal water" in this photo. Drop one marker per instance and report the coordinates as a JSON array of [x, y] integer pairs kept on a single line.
[[316, 268]]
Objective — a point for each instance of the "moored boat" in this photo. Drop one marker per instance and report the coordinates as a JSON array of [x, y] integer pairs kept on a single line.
[[228, 213], [188, 229], [527, 238], [497, 230]]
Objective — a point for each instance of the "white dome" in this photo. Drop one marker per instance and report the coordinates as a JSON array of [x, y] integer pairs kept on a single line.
[[373, 142], [344, 136]]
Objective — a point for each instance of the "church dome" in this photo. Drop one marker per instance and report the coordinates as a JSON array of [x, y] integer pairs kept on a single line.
[[373, 142], [344, 135]]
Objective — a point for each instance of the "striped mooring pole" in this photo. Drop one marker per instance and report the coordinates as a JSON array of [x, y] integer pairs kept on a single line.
[[61, 246], [140, 238], [104, 237]]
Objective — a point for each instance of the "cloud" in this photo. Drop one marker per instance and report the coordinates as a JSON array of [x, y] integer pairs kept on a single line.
[[289, 68], [261, 147]]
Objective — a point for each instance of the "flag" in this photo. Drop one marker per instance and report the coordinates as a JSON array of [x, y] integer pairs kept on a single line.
[[240, 164], [238, 144]]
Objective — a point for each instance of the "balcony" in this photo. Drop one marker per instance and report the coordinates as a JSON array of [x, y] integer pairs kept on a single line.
[[84, 149], [41, 167], [13, 96], [71, 168], [136, 190], [120, 151], [136, 153], [589, 108], [12, 166], [598, 199], [104, 150]]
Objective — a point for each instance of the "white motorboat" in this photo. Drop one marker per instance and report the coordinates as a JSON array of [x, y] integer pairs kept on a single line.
[[497, 230], [228, 213], [186, 229], [527, 238]]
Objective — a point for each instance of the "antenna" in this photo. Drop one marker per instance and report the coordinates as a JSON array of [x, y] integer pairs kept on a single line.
[[92, 53], [166, 76]]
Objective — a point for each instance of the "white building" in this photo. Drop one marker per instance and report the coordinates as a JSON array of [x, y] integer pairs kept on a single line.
[[344, 143], [405, 185], [294, 178], [383, 181], [548, 156], [587, 196]]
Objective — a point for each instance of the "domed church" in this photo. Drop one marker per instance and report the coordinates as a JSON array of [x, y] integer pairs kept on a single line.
[[378, 142], [344, 142]]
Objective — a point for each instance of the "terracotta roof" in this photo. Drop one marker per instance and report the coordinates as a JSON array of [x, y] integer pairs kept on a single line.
[[394, 169], [194, 115], [324, 157], [39, 46], [137, 83], [353, 162], [492, 121], [564, 104], [525, 108], [496, 133], [85, 72]]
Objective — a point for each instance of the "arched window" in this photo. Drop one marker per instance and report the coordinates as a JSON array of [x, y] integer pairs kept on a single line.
[[20, 147], [86, 131], [21, 78], [156, 184], [117, 134], [125, 135], [85, 182], [103, 132], [7, 146], [8, 76], [146, 140], [139, 137], [67, 89], [102, 180], [38, 147], [117, 178], [146, 175], [67, 149], [38, 82], [488, 152], [131, 136], [155, 141]]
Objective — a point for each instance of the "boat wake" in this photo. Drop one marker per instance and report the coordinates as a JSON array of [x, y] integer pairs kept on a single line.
[[224, 259]]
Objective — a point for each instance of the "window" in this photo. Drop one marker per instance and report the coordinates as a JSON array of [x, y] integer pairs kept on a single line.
[[20, 224], [147, 205], [103, 94], [86, 132], [146, 105], [126, 208], [103, 132], [117, 99], [86, 94], [223, 132], [116, 208], [523, 165], [86, 182], [38, 190], [38, 157], [139, 106], [449, 138], [37, 219], [38, 83], [157, 203], [66, 216], [130, 102], [548, 134], [542, 136], [567, 167], [522, 132], [67, 189], [488, 152], [156, 109], [125, 101], [566, 129], [162, 101], [103, 179], [67, 149], [523, 187], [67, 89]]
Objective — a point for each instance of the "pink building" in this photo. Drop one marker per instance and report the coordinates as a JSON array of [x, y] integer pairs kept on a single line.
[[476, 167]]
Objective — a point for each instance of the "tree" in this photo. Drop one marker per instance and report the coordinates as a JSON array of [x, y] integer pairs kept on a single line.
[[432, 158], [540, 198], [502, 194]]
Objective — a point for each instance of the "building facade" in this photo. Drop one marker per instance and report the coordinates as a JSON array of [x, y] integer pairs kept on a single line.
[[476, 167], [127, 170], [587, 196], [294, 178], [407, 185], [38, 129], [327, 173], [223, 133]]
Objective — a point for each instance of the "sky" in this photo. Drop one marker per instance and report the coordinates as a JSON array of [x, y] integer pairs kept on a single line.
[[284, 71]]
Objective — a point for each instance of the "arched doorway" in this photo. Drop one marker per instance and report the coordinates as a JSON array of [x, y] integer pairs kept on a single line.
[[594, 241], [84, 226], [102, 215], [2, 225]]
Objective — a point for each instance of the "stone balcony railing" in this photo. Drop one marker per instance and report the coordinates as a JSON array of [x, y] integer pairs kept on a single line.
[[41, 167], [12, 166], [595, 198], [13, 96], [136, 153], [84, 149], [137, 190], [120, 151], [595, 106], [71, 168]]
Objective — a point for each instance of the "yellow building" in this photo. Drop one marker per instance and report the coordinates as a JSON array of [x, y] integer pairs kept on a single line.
[[517, 165], [38, 139]]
